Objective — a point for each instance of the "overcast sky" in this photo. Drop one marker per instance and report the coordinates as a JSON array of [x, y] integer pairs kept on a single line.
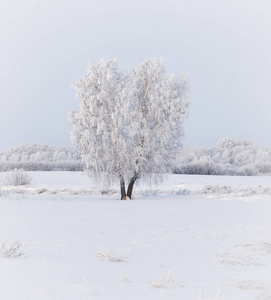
[[225, 46]]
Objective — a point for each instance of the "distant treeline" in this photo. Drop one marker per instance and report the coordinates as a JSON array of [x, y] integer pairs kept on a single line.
[[37, 157], [229, 157]]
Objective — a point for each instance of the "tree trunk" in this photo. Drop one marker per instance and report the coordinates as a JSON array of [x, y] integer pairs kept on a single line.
[[131, 186], [122, 189]]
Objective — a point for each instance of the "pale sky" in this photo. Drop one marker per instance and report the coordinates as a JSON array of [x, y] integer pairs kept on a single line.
[[225, 46]]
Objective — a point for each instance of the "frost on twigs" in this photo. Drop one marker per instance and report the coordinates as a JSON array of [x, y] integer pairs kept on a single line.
[[111, 256], [11, 251]]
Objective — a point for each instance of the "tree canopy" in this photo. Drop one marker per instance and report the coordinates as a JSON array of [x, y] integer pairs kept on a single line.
[[129, 125]]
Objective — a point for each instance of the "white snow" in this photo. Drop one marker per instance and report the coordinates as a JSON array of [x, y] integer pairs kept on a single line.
[[80, 241]]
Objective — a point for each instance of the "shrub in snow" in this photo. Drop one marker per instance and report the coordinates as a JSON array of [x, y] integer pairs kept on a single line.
[[183, 192], [200, 168], [209, 189], [263, 168], [10, 251], [248, 170], [18, 177]]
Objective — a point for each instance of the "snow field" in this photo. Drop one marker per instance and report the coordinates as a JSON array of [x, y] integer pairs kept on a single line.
[[169, 246]]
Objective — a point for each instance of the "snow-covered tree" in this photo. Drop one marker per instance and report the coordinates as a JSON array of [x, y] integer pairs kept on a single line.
[[129, 124]]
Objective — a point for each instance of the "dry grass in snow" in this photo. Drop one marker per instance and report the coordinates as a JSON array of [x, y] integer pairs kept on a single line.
[[111, 255], [247, 254], [165, 281], [10, 251], [237, 257]]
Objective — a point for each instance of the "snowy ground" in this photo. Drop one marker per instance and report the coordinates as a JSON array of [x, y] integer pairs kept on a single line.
[[192, 238]]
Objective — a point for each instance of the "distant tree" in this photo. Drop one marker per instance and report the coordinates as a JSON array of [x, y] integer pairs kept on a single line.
[[129, 125]]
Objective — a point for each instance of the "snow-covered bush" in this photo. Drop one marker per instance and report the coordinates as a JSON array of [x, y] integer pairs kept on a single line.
[[183, 192], [263, 168], [18, 177], [200, 168], [248, 170]]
